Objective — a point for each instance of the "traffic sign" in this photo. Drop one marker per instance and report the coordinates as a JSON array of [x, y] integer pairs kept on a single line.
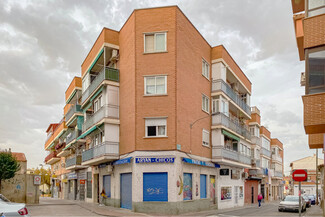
[[299, 175], [37, 180]]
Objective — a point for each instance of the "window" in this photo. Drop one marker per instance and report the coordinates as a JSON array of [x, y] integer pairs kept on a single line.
[[316, 7], [220, 104], [97, 104], [205, 69], [85, 82], [252, 130], [215, 105], [265, 143], [156, 127], [187, 186], [265, 163], [241, 192], [205, 103], [155, 85], [205, 138], [225, 193], [316, 71], [155, 42]]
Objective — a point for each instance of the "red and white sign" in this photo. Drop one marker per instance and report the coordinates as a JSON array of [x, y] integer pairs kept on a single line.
[[37, 180], [299, 175]]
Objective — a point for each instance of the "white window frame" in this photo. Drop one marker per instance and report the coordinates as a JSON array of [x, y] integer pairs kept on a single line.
[[157, 127], [204, 98], [154, 76], [206, 74], [154, 42], [97, 103], [205, 143]]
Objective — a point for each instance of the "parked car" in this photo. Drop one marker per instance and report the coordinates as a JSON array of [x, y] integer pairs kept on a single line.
[[312, 199], [291, 203], [308, 201], [8, 208]]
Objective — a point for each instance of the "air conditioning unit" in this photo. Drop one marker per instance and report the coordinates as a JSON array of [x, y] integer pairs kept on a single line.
[[114, 53], [303, 79]]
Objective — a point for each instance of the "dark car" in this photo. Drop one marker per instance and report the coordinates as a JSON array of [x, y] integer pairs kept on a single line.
[[312, 199], [308, 201]]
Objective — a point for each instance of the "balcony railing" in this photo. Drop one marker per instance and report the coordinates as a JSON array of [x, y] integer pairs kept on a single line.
[[106, 111], [219, 152], [256, 140], [276, 158], [224, 87], [263, 171], [71, 136], [73, 109], [73, 161], [107, 74], [265, 152], [221, 119], [106, 148], [50, 156]]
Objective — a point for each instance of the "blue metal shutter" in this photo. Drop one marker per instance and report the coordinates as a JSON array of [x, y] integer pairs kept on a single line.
[[155, 187], [126, 190], [107, 185], [203, 186]]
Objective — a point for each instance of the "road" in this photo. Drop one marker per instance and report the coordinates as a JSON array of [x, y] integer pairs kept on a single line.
[[55, 207]]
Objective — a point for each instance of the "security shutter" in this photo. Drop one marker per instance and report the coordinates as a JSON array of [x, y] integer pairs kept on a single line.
[[126, 190], [107, 185], [203, 186], [155, 187]]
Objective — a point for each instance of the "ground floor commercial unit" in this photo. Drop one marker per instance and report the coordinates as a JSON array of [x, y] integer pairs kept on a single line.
[[252, 189], [167, 182], [277, 189], [308, 188]]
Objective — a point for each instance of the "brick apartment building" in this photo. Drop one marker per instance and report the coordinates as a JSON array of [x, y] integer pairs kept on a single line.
[[161, 116], [309, 20]]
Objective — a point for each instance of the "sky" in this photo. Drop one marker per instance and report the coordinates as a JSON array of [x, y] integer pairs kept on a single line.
[[43, 44]]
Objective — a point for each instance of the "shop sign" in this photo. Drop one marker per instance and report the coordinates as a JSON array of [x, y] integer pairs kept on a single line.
[[123, 161], [201, 163], [37, 180], [65, 180], [72, 176], [82, 181], [155, 160]]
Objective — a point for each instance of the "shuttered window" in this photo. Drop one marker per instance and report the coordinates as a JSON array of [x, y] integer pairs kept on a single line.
[[203, 186], [205, 138], [205, 69], [205, 103]]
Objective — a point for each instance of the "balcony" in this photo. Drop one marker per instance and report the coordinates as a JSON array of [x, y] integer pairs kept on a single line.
[[256, 140], [73, 112], [106, 111], [278, 174], [57, 132], [107, 74], [266, 152], [314, 113], [74, 163], [72, 136], [314, 29], [223, 120], [51, 158], [315, 140], [76, 84], [220, 85], [219, 153], [276, 158], [263, 172], [107, 151]]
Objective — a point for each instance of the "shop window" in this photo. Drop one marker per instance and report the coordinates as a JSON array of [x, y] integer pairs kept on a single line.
[[225, 193], [241, 192], [155, 187], [187, 186]]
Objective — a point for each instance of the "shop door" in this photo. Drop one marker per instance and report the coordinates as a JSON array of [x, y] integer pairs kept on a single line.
[[263, 191], [212, 190], [75, 185], [252, 194], [126, 190], [236, 195]]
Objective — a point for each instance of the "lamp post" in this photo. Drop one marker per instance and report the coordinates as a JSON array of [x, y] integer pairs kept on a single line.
[[191, 126]]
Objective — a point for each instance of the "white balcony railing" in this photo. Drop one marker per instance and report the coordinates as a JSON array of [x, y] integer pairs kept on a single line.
[[265, 152], [106, 111], [104, 149], [224, 87], [219, 152], [256, 140], [276, 158], [221, 119]]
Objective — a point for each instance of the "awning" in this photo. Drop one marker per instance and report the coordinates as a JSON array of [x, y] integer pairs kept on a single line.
[[86, 133], [230, 135], [201, 163], [123, 161], [95, 61]]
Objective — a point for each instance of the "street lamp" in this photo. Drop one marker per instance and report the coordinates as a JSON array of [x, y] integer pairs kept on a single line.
[[191, 126]]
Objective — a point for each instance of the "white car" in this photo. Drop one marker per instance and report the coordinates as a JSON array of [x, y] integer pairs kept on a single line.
[[8, 208]]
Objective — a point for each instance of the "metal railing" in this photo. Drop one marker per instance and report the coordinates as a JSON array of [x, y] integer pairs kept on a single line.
[[72, 110], [219, 152], [265, 152], [106, 148], [276, 158], [71, 136], [106, 111], [221, 119], [105, 74], [224, 87], [50, 156], [256, 140], [73, 161]]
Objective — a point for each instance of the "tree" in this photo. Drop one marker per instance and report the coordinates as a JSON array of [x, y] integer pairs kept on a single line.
[[8, 166], [45, 175]]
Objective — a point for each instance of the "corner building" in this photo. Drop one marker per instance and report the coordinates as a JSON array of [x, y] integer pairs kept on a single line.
[[160, 122]]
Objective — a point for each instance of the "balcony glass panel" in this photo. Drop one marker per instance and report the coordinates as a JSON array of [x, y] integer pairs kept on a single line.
[[106, 148], [221, 119], [224, 87], [266, 152], [106, 111], [316, 72], [74, 109], [219, 152], [73, 161], [278, 174], [256, 140], [105, 74]]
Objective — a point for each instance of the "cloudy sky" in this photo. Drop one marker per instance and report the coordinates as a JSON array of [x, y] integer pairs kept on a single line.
[[43, 44]]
